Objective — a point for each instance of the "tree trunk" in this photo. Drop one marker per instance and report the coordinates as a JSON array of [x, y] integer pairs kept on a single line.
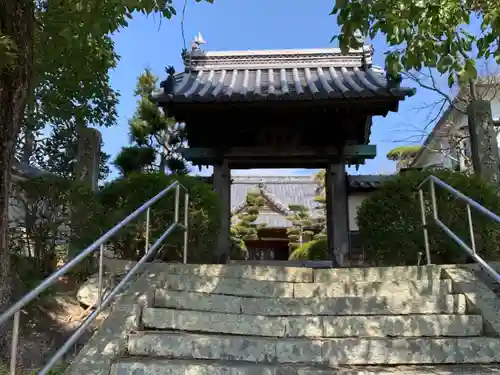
[[16, 22]]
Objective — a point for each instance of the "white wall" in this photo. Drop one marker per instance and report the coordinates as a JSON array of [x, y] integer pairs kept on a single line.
[[353, 202]]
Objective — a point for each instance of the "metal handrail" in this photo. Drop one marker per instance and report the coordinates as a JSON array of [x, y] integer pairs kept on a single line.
[[102, 303], [470, 250]]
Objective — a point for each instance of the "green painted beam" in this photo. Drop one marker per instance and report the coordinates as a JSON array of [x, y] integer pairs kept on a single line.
[[212, 155], [363, 151]]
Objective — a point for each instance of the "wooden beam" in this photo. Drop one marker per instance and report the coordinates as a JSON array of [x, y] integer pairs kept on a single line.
[[210, 155]]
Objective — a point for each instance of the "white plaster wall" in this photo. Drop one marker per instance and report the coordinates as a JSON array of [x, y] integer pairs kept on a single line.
[[353, 202]]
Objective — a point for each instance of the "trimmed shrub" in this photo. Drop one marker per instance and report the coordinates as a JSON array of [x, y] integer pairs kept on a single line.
[[124, 195], [312, 250], [390, 223], [52, 218]]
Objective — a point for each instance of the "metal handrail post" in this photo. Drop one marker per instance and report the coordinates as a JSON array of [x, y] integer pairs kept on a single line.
[[15, 342], [177, 203], [101, 275], [186, 226], [424, 227], [433, 200], [471, 229], [469, 250], [146, 239]]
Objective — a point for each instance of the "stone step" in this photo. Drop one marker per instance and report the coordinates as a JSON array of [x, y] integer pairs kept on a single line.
[[371, 288], [264, 273], [313, 326], [260, 288], [329, 352], [382, 305], [282, 272], [343, 275], [141, 366]]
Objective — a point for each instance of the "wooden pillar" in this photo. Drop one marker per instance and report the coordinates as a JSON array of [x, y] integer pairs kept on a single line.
[[222, 185], [337, 220]]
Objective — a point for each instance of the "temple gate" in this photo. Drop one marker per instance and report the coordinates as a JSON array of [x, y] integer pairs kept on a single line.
[[281, 109]]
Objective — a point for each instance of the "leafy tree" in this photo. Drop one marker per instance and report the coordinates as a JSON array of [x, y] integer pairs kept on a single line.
[[425, 33], [65, 100], [65, 95], [67, 30], [434, 34], [245, 228], [155, 136], [300, 231]]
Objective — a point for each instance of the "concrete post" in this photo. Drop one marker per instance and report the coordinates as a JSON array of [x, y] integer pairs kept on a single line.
[[484, 147], [89, 155]]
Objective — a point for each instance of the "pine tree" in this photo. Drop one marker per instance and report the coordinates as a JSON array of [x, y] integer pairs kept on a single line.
[[320, 199], [245, 228], [301, 230], [155, 137]]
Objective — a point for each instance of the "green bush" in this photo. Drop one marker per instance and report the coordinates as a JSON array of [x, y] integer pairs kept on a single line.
[[312, 250], [53, 218], [122, 196], [390, 223]]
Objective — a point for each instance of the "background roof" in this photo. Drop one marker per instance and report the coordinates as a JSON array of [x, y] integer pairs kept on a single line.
[[283, 191]]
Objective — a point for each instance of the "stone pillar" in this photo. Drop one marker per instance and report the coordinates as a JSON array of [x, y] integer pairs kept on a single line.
[[222, 185], [337, 220], [89, 157], [483, 140]]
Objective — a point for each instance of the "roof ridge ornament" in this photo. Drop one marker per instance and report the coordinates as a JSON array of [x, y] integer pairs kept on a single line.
[[367, 49], [197, 42]]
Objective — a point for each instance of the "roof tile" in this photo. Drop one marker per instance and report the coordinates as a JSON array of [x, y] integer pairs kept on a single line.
[[268, 75]]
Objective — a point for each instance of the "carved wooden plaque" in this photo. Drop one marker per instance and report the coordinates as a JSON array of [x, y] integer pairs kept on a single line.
[[281, 139]]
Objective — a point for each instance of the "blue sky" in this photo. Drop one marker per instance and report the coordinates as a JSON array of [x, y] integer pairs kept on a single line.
[[149, 42]]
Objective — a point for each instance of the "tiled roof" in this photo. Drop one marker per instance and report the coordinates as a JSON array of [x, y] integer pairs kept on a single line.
[[283, 74], [283, 191], [366, 182], [273, 220], [25, 170]]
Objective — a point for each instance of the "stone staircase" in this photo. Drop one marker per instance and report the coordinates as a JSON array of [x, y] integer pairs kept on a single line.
[[263, 320]]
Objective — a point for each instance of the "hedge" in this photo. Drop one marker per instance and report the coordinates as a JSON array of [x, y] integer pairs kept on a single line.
[[390, 224], [122, 196]]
